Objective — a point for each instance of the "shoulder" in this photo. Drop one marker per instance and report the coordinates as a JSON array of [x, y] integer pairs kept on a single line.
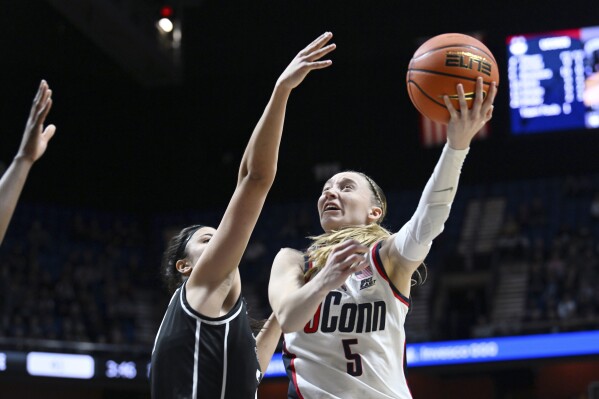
[[289, 258], [290, 253]]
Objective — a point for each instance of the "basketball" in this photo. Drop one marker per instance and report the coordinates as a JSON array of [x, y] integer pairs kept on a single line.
[[440, 64]]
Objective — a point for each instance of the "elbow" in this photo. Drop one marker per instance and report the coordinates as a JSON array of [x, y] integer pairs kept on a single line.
[[262, 174], [288, 328], [263, 177], [288, 324]]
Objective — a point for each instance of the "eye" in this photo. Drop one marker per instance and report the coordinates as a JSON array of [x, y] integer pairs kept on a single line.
[[327, 188], [348, 187], [206, 239]]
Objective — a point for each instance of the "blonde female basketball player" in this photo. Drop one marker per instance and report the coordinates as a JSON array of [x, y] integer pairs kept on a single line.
[[343, 306], [205, 347]]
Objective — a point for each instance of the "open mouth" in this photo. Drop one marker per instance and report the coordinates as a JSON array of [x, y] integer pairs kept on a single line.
[[330, 208]]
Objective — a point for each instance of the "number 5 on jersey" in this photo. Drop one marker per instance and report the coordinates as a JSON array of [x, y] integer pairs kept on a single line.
[[354, 366]]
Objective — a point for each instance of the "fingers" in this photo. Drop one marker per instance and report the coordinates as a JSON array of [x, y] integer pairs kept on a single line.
[[317, 43], [482, 105], [348, 253], [462, 99], [450, 108], [478, 96], [43, 112], [41, 100], [319, 64], [490, 97], [48, 133], [353, 245], [315, 55], [40, 90]]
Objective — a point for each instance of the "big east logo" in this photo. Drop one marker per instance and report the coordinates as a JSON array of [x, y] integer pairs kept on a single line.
[[463, 59]]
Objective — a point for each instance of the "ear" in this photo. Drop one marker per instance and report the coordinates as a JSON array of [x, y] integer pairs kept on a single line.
[[375, 214], [184, 267]]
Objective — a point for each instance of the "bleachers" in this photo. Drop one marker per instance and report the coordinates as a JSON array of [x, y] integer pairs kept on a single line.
[[93, 276]]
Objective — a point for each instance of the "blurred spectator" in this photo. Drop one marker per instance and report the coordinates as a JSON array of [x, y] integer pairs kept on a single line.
[[84, 275], [512, 243], [595, 208]]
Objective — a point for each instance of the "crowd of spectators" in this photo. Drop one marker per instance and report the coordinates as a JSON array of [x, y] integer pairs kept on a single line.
[[70, 277], [91, 276]]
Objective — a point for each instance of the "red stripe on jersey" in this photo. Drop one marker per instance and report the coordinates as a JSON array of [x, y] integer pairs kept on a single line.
[[378, 264], [293, 373]]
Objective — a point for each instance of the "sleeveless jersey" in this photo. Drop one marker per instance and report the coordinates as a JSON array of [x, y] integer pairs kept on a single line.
[[354, 347], [199, 357]]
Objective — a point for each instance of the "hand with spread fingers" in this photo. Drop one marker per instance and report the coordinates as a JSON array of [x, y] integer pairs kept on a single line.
[[346, 258], [307, 60], [465, 123], [36, 137], [33, 145]]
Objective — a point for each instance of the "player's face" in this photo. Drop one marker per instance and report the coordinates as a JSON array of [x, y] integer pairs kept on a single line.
[[346, 200], [198, 243]]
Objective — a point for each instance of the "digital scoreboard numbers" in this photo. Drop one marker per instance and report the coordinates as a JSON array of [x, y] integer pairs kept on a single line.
[[549, 78]]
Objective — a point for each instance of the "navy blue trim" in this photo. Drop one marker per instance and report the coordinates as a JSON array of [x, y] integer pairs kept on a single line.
[[382, 270], [307, 264]]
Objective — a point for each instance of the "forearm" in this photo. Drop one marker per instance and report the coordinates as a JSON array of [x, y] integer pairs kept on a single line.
[[296, 308], [415, 238], [261, 155], [11, 186], [267, 341]]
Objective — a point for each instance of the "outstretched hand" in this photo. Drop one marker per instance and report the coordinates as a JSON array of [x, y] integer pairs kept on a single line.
[[307, 60], [35, 138], [465, 123], [345, 259]]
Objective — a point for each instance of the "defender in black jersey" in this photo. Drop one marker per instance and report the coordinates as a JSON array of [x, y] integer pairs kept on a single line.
[[204, 347], [211, 357]]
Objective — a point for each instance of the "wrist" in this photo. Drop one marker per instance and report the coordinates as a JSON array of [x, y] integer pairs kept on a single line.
[[22, 159], [457, 148], [282, 88], [320, 287]]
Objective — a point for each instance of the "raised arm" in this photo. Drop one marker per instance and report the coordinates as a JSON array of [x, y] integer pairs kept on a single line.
[[295, 302], [33, 145], [405, 250], [256, 174]]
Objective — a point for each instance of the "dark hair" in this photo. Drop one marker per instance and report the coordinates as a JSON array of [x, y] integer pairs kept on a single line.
[[175, 250]]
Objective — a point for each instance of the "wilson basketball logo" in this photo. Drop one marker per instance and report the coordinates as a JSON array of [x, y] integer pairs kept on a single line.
[[467, 60]]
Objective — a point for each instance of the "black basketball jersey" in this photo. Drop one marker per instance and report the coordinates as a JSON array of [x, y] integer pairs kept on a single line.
[[199, 357]]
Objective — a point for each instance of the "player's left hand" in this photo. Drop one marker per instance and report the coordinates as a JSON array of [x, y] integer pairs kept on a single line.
[[307, 60], [35, 138], [465, 123]]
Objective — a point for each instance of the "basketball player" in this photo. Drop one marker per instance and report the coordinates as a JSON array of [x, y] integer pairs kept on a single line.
[[342, 308], [205, 347], [33, 145]]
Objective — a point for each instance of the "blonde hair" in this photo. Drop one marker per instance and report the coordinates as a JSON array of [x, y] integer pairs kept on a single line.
[[323, 244], [367, 235]]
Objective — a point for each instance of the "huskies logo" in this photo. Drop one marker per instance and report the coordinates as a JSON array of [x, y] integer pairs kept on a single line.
[[367, 282]]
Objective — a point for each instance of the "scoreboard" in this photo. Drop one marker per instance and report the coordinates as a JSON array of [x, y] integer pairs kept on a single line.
[[554, 80]]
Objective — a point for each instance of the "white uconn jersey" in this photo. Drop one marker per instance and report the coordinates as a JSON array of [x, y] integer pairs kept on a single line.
[[354, 347]]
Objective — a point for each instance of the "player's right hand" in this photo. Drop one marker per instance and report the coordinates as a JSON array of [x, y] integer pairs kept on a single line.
[[345, 259]]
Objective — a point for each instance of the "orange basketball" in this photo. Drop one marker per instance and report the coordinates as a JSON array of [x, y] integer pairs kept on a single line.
[[440, 64]]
